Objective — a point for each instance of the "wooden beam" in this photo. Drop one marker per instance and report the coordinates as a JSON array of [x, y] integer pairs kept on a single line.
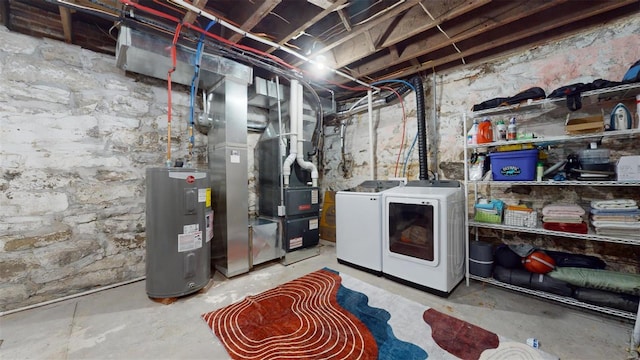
[[190, 17], [254, 19], [393, 52], [509, 13], [65, 18], [369, 42], [309, 23], [345, 20], [414, 22], [565, 19], [360, 29], [5, 14]]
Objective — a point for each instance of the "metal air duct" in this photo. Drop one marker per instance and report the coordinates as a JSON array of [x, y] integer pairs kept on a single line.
[[146, 54]]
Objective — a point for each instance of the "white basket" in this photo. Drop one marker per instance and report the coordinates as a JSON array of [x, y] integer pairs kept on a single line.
[[521, 218]]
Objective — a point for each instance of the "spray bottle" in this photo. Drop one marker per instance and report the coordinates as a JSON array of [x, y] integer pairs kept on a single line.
[[512, 131], [472, 135]]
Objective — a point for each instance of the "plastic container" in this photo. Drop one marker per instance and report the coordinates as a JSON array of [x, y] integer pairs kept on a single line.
[[595, 159], [501, 131], [480, 258], [539, 171], [485, 132], [514, 165], [594, 156], [472, 134], [524, 218], [512, 130]]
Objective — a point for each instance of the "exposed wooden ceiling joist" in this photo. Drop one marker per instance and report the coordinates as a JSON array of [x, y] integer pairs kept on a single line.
[[262, 11], [345, 19], [65, 18], [360, 29], [545, 26], [307, 24], [510, 12], [370, 40], [190, 17], [414, 22], [5, 14]]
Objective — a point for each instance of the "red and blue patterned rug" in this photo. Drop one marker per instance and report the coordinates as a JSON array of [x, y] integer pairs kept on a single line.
[[329, 315]]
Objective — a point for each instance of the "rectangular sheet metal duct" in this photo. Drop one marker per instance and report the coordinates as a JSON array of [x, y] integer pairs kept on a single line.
[[146, 54]]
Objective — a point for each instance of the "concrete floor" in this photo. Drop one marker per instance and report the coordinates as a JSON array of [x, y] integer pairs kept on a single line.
[[122, 323]]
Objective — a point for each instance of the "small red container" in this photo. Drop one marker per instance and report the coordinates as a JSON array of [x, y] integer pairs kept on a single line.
[[485, 132]]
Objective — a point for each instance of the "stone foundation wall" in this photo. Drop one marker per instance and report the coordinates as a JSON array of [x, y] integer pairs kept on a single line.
[[76, 136]]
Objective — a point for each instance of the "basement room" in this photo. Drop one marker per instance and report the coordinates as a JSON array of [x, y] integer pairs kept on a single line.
[[320, 179]]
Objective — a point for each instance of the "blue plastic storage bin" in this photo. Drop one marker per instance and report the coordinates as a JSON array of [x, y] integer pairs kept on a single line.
[[514, 165]]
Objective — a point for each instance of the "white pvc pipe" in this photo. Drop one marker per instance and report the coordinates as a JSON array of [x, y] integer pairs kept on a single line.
[[280, 147], [371, 155], [68, 297], [307, 165], [293, 129], [636, 332], [199, 11]]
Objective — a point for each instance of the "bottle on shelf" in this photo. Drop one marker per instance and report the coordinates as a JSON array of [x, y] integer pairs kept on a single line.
[[472, 135], [512, 130], [485, 131], [539, 171], [501, 131]]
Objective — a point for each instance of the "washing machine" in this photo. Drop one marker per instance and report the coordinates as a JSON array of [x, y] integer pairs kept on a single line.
[[359, 225], [423, 235]]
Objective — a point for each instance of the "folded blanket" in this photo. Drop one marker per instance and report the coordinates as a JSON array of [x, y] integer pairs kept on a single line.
[[616, 218], [563, 210], [614, 204], [581, 228], [615, 211], [562, 219], [630, 233], [615, 225]]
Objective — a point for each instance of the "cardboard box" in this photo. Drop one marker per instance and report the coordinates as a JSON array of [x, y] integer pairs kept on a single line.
[[628, 168], [328, 217], [591, 124]]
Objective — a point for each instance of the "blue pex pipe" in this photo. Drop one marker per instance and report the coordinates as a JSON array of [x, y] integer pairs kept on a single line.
[[196, 74]]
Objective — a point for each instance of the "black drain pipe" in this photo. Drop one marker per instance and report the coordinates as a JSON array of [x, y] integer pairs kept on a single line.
[[422, 128]]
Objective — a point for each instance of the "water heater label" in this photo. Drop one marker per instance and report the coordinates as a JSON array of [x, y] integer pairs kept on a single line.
[[188, 229], [295, 242], [313, 224], [314, 196], [209, 232], [188, 242], [202, 195]]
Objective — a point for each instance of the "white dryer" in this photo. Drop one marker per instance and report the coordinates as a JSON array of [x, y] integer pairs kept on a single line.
[[423, 235]]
